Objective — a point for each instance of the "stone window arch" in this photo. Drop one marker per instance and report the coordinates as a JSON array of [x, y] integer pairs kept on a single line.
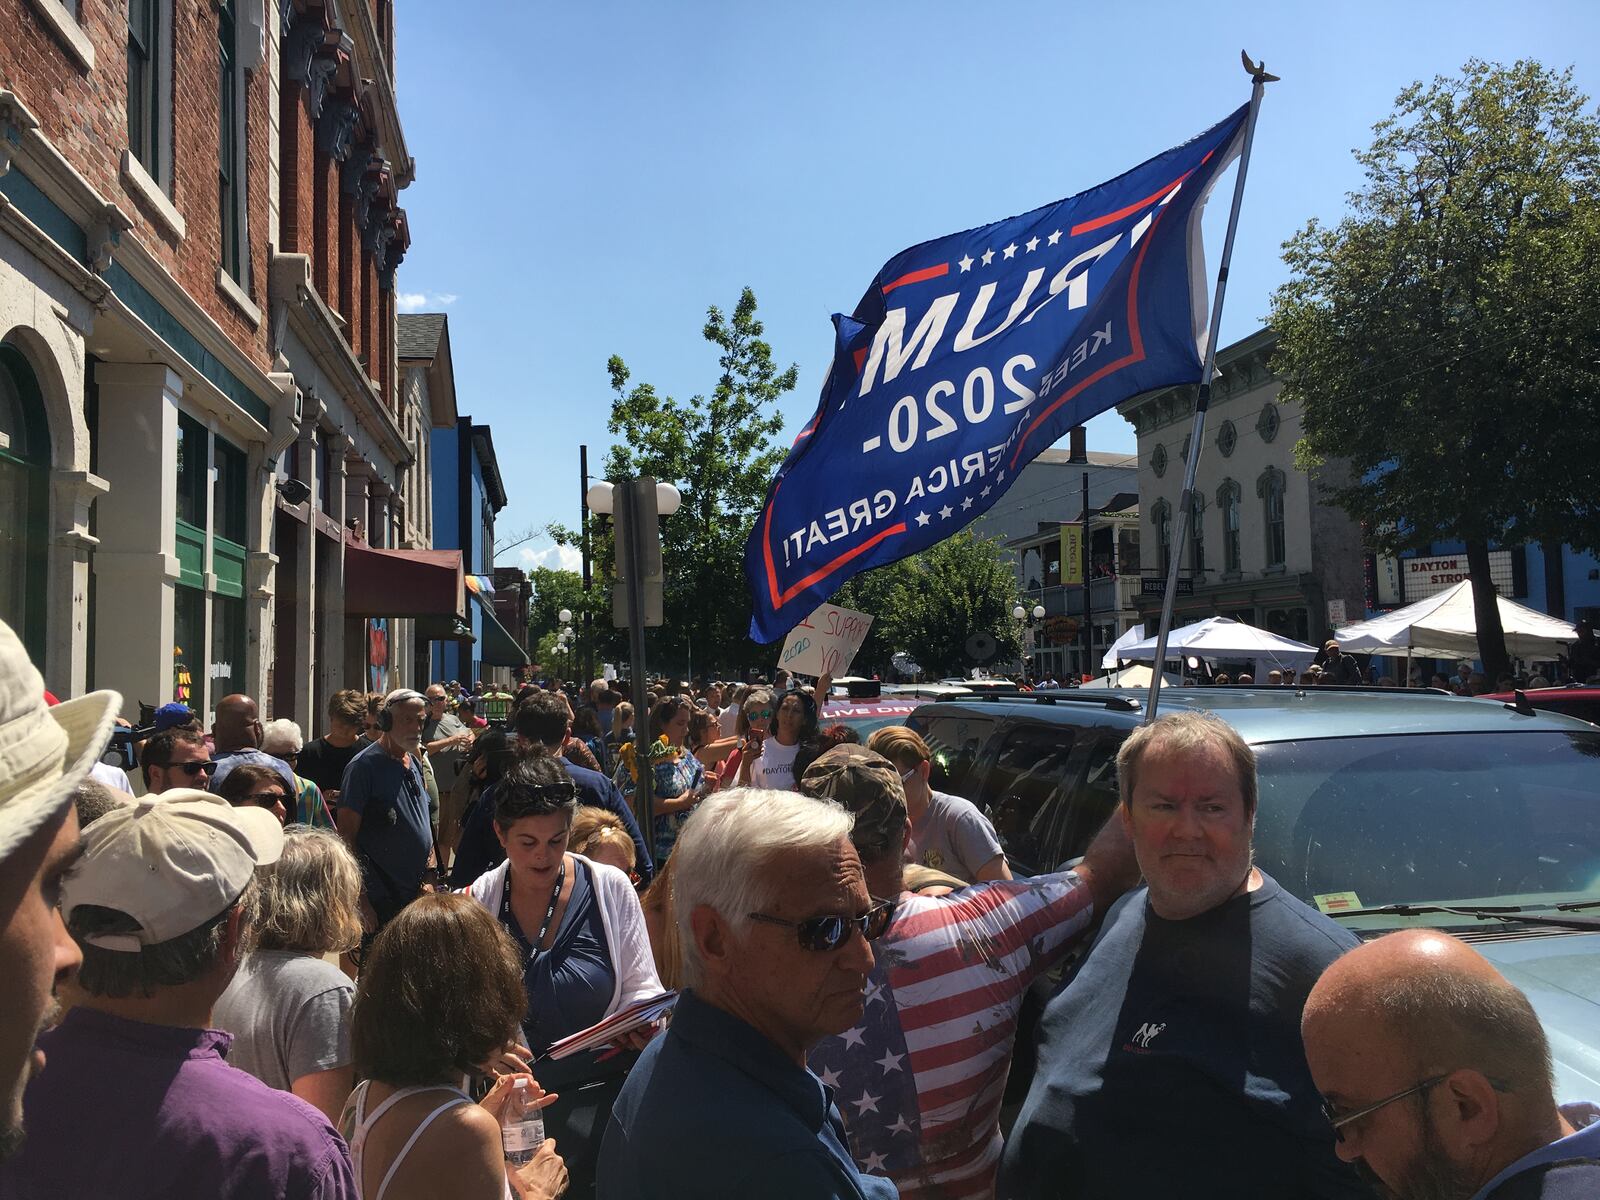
[[24, 500], [1228, 505]]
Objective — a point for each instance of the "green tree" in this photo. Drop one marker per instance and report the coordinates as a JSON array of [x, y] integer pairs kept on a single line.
[[1444, 336], [554, 590], [719, 451], [938, 599]]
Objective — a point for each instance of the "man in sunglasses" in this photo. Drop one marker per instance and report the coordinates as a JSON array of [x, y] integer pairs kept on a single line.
[[1436, 1077], [1170, 1064], [922, 1075], [175, 758], [776, 922]]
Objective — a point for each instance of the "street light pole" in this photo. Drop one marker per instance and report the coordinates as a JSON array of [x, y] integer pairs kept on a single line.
[[583, 529]]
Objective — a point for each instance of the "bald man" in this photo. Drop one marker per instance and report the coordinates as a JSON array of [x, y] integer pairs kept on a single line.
[[1436, 1075]]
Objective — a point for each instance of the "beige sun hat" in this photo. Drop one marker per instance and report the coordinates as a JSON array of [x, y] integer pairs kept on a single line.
[[45, 751], [171, 862]]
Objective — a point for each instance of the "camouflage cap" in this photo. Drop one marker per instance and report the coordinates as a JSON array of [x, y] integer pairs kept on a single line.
[[868, 786]]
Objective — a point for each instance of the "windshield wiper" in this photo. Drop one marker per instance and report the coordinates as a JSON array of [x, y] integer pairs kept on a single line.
[[1576, 905], [1503, 913]]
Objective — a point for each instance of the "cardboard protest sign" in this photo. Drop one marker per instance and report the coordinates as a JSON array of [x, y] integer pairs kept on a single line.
[[825, 642]]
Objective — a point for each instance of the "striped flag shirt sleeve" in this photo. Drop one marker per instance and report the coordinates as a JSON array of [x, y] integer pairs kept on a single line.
[[920, 1078]]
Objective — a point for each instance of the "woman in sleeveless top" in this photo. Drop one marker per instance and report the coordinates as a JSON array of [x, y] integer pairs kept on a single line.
[[441, 993]]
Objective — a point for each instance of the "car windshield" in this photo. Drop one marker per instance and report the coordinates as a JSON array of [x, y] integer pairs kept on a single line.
[[1466, 819]]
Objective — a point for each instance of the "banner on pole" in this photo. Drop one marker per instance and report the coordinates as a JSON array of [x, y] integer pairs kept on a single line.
[[1072, 555], [825, 642], [970, 354]]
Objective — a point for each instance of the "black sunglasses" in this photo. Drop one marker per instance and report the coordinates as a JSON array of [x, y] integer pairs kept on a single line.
[[191, 769], [830, 931]]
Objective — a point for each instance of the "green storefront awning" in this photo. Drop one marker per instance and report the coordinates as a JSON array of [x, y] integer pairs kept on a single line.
[[499, 648]]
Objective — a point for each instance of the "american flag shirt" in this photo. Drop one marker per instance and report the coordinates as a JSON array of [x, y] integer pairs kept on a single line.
[[921, 1076]]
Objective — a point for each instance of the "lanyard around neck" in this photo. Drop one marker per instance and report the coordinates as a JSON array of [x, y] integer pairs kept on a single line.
[[549, 913]]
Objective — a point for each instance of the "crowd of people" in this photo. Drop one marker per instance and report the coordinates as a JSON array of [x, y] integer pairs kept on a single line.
[[337, 968]]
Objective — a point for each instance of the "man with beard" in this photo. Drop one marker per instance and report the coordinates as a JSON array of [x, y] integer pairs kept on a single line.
[[1171, 1064], [1436, 1077], [383, 810], [45, 752]]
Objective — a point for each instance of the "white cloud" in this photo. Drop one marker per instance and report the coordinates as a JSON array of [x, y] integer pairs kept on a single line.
[[410, 302], [554, 558]]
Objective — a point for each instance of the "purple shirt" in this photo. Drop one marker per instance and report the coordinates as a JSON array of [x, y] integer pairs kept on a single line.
[[133, 1110]]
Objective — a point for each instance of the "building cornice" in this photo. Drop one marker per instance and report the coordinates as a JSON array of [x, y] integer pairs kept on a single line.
[[376, 81], [296, 303], [1240, 368]]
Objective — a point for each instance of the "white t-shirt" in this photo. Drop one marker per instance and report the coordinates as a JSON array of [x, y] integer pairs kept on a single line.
[[774, 769], [728, 722], [114, 778]]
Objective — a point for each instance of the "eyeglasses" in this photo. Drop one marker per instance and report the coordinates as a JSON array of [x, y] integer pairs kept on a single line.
[[764, 714], [264, 799], [191, 769], [1339, 1120], [830, 931]]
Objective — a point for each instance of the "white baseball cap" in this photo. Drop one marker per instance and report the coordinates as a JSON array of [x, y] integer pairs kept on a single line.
[[45, 751], [171, 862]]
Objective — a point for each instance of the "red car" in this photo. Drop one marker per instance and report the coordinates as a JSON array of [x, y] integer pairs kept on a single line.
[[1580, 702]]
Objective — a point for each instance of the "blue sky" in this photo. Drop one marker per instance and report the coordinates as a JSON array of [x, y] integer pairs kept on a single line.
[[591, 176]]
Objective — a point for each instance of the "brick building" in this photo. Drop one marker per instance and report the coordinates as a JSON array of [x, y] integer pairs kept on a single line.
[[198, 236]]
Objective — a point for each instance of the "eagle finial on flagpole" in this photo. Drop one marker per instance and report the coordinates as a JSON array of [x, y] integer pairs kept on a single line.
[[1256, 71]]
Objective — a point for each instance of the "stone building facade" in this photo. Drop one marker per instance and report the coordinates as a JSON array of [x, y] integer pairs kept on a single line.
[[1264, 547]]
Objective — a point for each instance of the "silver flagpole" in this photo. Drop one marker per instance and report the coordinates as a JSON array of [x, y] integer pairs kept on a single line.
[[1260, 78]]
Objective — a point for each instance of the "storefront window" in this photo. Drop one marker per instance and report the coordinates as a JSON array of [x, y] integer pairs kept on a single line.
[[24, 528], [227, 647], [188, 644], [230, 499], [193, 471]]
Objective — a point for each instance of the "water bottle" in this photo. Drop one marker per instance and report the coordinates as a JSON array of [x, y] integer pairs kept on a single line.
[[521, 1125]]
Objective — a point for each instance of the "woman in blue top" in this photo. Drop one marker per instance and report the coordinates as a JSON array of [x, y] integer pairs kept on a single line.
[[582, 939], [679, 781]]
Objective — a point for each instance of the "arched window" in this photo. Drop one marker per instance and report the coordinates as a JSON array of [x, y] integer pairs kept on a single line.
[[1161, 518], [1228, 502], [1197, 532], [1270, 488], [24, 501]]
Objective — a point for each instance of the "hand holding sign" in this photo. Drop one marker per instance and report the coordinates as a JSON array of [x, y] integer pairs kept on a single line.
[[825, 643]]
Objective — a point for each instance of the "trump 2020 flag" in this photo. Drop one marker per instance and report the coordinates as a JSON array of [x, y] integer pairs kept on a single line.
[[969, 355]]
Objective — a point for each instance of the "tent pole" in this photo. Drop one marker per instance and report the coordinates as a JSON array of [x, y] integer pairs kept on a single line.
[[1202, 400]]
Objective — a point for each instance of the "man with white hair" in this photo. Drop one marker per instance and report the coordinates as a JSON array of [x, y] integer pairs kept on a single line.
[[45, 752], [383, 810], [769, 894]]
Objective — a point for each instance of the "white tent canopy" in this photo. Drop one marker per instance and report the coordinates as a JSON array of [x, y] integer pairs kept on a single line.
[[1445, 626], [1136, 676], [1114, 651], [1223, 637]]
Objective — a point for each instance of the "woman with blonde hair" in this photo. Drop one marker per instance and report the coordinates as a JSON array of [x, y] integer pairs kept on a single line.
[[665, 946], [288, 1008], [600, 836]]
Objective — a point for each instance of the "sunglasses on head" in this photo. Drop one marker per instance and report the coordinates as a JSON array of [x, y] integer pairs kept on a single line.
[[830, 931], [191, 769]]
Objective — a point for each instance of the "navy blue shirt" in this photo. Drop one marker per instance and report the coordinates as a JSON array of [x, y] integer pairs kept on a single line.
[[570, 985], [714, 1111], [395, 834], [1171, 1064], [478, 850]]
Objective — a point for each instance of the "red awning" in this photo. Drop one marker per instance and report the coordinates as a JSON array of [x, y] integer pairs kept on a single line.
[[402, 583]]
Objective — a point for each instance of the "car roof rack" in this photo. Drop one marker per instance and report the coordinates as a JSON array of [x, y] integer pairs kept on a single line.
[[1119, 703]]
